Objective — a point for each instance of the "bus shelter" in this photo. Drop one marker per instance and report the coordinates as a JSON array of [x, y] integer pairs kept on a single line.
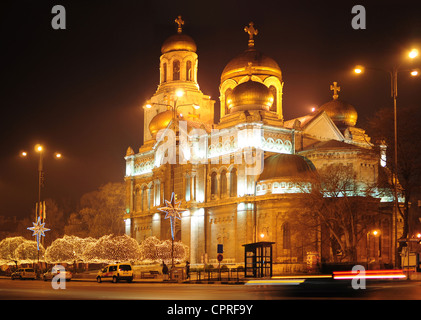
[[258, 259]]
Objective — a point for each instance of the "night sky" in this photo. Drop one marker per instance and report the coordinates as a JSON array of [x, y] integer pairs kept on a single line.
[[79, 91]]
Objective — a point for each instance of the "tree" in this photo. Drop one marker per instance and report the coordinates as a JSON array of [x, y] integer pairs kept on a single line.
[[67, 249], [8, 248], [27, 252], [149, 249], [380, 127], [343, 206], [155, 250], [54, 220], [101, 212], [112, 248]]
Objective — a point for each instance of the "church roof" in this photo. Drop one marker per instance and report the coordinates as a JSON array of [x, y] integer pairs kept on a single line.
[[179, 41], [334, 145], [290, 166]]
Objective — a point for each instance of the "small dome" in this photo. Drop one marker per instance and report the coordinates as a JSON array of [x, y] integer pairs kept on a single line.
[[250, 95], [261, 65], [179, 42], [342, 114], [160, 121], [287, 166]]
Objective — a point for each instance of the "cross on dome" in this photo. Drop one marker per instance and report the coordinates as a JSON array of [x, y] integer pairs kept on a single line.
[[180, 23], [335, 88], [251, 32]]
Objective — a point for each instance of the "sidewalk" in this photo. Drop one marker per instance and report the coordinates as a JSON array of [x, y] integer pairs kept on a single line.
[[137, 279]]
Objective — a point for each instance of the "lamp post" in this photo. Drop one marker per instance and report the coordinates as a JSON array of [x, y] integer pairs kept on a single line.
[[367, 244], [41, 176], [394, 94]]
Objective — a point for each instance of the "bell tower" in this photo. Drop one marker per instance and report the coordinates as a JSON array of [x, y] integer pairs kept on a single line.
[[178, 85]]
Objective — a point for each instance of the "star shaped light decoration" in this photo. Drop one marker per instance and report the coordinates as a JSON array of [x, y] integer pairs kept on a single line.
[[173, 211], [38, 230]]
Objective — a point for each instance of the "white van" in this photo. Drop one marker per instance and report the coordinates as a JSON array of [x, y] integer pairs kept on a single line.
[[116, 272]]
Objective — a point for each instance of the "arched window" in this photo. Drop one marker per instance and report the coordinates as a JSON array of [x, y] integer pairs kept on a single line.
[[176, 70], [214, 184], [137, 200], [164, 72], [223, 182], [233, 183], [227, 94], [150, 196], [286, 236], [157, 193], [188, 71], [144, 199], [274, 106]]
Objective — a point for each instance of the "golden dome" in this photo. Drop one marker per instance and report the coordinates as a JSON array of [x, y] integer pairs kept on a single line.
[[261, 65], [341, 113], [287, 166], [160, 121], [179, 42], [250, 95]]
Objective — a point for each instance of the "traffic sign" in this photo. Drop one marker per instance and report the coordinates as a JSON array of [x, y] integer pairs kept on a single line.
[[220, 257]]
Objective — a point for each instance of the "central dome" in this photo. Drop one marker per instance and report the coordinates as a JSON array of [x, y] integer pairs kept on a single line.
[[250, 95], [179, 42], [262, 65]]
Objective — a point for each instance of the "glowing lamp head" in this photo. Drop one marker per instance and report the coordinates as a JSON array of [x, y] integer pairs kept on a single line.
[[413, 53], [419, 235], [196, 106], [24, 154], [58, 155], [358, 69], [376, 232], [38, 148], [414, 73], [148, 106]]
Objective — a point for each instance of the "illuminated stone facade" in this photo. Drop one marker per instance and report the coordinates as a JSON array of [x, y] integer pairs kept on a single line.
[[236, 176]]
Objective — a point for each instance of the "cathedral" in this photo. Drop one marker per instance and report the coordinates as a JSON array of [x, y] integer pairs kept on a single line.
[[237, 177]]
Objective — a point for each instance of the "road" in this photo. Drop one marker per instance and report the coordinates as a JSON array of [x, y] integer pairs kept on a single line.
[[90, 290]]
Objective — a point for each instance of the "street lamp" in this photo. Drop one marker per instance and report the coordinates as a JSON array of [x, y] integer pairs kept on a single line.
[[413, 53], [394, 93], [41, 176], [367, 244]]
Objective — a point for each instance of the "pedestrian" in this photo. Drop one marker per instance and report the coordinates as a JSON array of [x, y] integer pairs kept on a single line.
[[187, 269], [164, 270]]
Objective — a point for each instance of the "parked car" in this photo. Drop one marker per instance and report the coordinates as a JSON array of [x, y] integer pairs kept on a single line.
[[116, 272], [50, 274], [24, 273]]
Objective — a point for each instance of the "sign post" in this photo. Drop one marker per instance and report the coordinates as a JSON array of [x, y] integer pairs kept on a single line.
[[220, 251]]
